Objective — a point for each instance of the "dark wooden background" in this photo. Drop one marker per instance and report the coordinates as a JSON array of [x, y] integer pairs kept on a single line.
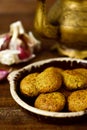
[[13, 10], [12, 116]]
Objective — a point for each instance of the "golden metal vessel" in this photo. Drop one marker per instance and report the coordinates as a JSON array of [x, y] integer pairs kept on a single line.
[[67, 22]]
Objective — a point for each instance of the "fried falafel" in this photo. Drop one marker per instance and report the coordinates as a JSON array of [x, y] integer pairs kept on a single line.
[[73, 80], [48, 81], [77, 101], [56, 69], [82, 71], [28, 85], [54, 101]]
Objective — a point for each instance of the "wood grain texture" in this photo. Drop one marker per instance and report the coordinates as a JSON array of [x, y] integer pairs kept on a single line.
[[12, 116]]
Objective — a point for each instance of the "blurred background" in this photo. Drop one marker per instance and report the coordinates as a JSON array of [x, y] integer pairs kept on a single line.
[[14, 10]]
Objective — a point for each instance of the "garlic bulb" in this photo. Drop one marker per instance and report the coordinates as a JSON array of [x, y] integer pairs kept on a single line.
[[17, 46]]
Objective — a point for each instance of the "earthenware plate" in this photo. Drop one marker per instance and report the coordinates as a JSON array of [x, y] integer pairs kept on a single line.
[[15, 77]]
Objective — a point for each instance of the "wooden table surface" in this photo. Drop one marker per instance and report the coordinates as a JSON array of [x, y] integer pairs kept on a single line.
[[12, 116]]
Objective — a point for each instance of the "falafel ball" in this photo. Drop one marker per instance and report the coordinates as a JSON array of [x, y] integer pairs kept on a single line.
[[28, 85], [73, 80], [54, 101], [77, 101], [48, 81]]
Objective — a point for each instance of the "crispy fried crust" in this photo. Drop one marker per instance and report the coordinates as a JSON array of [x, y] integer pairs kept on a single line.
[[56, 69], [48, 81], [74, 80], [28, 85], [50, 101], [82, 71], [77, 101]]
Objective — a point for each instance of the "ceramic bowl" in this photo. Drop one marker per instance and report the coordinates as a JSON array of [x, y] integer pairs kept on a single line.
[[15, 77]]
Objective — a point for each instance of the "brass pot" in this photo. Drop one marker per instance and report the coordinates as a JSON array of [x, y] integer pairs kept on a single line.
[[66, 22], [73, 23]]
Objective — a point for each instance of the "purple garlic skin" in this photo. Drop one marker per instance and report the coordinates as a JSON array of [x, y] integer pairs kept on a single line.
[[3, 74], [24, 53]]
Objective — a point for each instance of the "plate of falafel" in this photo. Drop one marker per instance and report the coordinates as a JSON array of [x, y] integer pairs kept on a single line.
[[55, 87]]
